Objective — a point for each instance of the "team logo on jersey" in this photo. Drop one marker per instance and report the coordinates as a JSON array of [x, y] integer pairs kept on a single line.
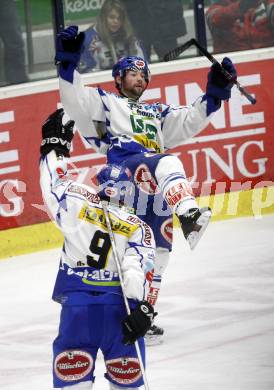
[[73, 365], [145, 181], [124, 370], [167, 230]]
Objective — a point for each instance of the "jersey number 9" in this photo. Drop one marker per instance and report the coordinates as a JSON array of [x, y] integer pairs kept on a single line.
[[100, 245]]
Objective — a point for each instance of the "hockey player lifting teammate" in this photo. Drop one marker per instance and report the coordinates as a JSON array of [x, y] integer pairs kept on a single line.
[[137, 135], [88, 286]]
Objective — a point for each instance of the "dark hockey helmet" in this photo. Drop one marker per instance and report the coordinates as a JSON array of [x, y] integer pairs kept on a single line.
[[131, 63], [115, 184]]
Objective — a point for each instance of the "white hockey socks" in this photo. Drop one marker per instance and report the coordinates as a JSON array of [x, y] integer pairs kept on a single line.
[[171, 178], [154, 289], [114, 387], [178, 193], [154, 335], [87, 385], [160, 264]]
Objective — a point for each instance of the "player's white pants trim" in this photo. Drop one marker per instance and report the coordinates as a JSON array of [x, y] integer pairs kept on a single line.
[[87, 385], [114, 387]]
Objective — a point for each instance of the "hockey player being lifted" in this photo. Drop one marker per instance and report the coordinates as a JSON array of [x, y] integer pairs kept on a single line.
[[88, 284], [137, 134]]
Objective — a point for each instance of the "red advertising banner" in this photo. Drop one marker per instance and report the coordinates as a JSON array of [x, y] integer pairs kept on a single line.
[[234, 152]]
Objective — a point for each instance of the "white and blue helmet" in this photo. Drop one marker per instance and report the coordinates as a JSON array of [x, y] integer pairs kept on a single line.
[[131, 63], [115, 183]]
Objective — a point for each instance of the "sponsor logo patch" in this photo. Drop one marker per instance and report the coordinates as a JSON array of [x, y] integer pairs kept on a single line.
[[148, 143], [178, 192], [124, 370], [148, 235], [133, 219], [73, 365], [152, 296], [94, 198], [167, 230], [97, 217]]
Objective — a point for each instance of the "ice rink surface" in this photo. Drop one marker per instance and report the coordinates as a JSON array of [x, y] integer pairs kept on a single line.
[[216, 305]]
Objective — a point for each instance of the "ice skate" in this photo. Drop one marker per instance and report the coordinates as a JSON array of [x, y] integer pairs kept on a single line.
[[154, 335], [194, 223]]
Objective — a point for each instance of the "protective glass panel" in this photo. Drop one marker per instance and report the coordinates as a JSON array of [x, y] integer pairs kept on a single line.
[[26, 41], [116, 28], [235, 25]]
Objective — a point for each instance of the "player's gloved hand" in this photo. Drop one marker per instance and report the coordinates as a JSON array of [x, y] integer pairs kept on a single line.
[[218, 85], [69, 46], [138, 322], [56, 136]]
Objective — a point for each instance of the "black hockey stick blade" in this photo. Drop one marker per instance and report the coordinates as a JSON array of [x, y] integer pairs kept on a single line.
[[173, 54]]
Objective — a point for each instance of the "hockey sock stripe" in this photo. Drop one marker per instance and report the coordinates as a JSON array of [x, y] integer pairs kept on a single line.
[[170, 178]]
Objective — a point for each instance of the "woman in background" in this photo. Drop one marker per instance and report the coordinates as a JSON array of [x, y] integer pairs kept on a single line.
[[111, 38]]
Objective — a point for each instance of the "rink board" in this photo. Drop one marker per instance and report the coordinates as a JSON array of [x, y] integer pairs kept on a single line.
[[234, 154], [253, 203]]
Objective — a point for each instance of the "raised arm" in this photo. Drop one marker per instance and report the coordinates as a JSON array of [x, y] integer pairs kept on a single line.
[[55, 147], [82, 104], [182, 123]]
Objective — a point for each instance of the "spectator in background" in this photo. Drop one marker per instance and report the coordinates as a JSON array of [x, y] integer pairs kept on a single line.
[[11, 36], [158, 24], [241, 24], [110, 39]]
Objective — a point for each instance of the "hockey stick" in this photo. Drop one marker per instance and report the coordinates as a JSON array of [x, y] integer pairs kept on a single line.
[[118, 264], [173, 54]]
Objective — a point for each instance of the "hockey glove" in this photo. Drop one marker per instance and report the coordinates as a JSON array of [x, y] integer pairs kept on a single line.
[[56, 136], [69, 46], [218, 85], [138, 322]]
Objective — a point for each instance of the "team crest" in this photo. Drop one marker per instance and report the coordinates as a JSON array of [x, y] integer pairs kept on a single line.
[[140, 64]]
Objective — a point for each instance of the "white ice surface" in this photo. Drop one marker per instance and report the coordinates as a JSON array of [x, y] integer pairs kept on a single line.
[[216, 306]]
